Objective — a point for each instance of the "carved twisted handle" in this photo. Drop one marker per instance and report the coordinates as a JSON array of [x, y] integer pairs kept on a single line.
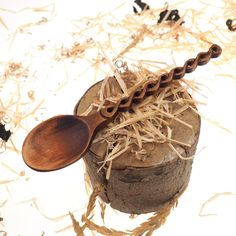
[[152, 86]]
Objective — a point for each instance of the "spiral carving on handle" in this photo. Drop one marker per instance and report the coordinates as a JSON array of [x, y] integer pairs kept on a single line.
[[152, 86]]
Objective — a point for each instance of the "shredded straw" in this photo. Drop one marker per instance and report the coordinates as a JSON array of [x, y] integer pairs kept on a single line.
[[148, 123], [148, 227], [211, 199]]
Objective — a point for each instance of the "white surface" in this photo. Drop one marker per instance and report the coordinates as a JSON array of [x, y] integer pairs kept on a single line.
[[37, 202]]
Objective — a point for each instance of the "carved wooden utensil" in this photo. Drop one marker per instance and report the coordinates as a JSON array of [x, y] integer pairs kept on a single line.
[[62, 140]]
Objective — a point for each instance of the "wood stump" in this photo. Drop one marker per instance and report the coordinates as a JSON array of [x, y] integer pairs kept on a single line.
[[137, 186]]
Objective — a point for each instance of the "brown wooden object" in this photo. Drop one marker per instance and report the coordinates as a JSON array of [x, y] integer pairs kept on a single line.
[[62, 140], [137, 186]]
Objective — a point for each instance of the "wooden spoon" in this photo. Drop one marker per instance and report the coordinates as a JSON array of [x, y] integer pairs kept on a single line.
[[62, 140]]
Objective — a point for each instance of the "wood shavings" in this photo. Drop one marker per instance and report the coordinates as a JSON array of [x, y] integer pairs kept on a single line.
[[149, 123], [34, 9], [14, 109], [87, 219], [217, 124], [92, 201], [35, 204], [12, 170], [102, 229], [211, 199], [103, 210], [132, 26], [76, 50], [15, 70], [178, 154], [26, 27], [136, 39], [108, 173], [136, 30], [117, 75], [147, 227], [213, 122], [3, 23], [154, 222], [77, 228]]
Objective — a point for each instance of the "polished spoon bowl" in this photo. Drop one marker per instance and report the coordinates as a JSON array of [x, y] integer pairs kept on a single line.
[[59, 141], [62, 140]]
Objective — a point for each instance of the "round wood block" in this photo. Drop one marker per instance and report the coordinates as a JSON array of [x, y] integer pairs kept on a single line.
[[137, 186]]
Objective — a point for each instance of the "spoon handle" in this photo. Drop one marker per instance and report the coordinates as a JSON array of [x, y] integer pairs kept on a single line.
[[152, 86]]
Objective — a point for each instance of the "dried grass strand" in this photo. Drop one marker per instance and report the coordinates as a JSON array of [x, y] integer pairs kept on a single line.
[[178, 154], [77, 228], [211, 199], [92, 200]]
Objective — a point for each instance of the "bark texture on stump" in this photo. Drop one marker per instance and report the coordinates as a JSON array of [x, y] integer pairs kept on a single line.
[[137, 186]]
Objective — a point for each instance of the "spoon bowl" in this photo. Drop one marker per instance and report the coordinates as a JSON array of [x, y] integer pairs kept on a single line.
[[56, 143]]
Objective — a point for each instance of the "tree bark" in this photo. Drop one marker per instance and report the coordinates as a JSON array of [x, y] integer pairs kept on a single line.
[[137, 186]]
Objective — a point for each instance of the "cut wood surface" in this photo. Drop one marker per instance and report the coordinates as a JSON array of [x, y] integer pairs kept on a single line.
[[140, 186]]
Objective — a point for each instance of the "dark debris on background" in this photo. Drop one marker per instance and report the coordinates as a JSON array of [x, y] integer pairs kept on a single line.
[[142, 5], [230, 25], [172, 17], [4, 134]]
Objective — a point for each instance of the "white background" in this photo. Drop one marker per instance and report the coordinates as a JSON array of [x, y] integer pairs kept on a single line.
[[39, 202]]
